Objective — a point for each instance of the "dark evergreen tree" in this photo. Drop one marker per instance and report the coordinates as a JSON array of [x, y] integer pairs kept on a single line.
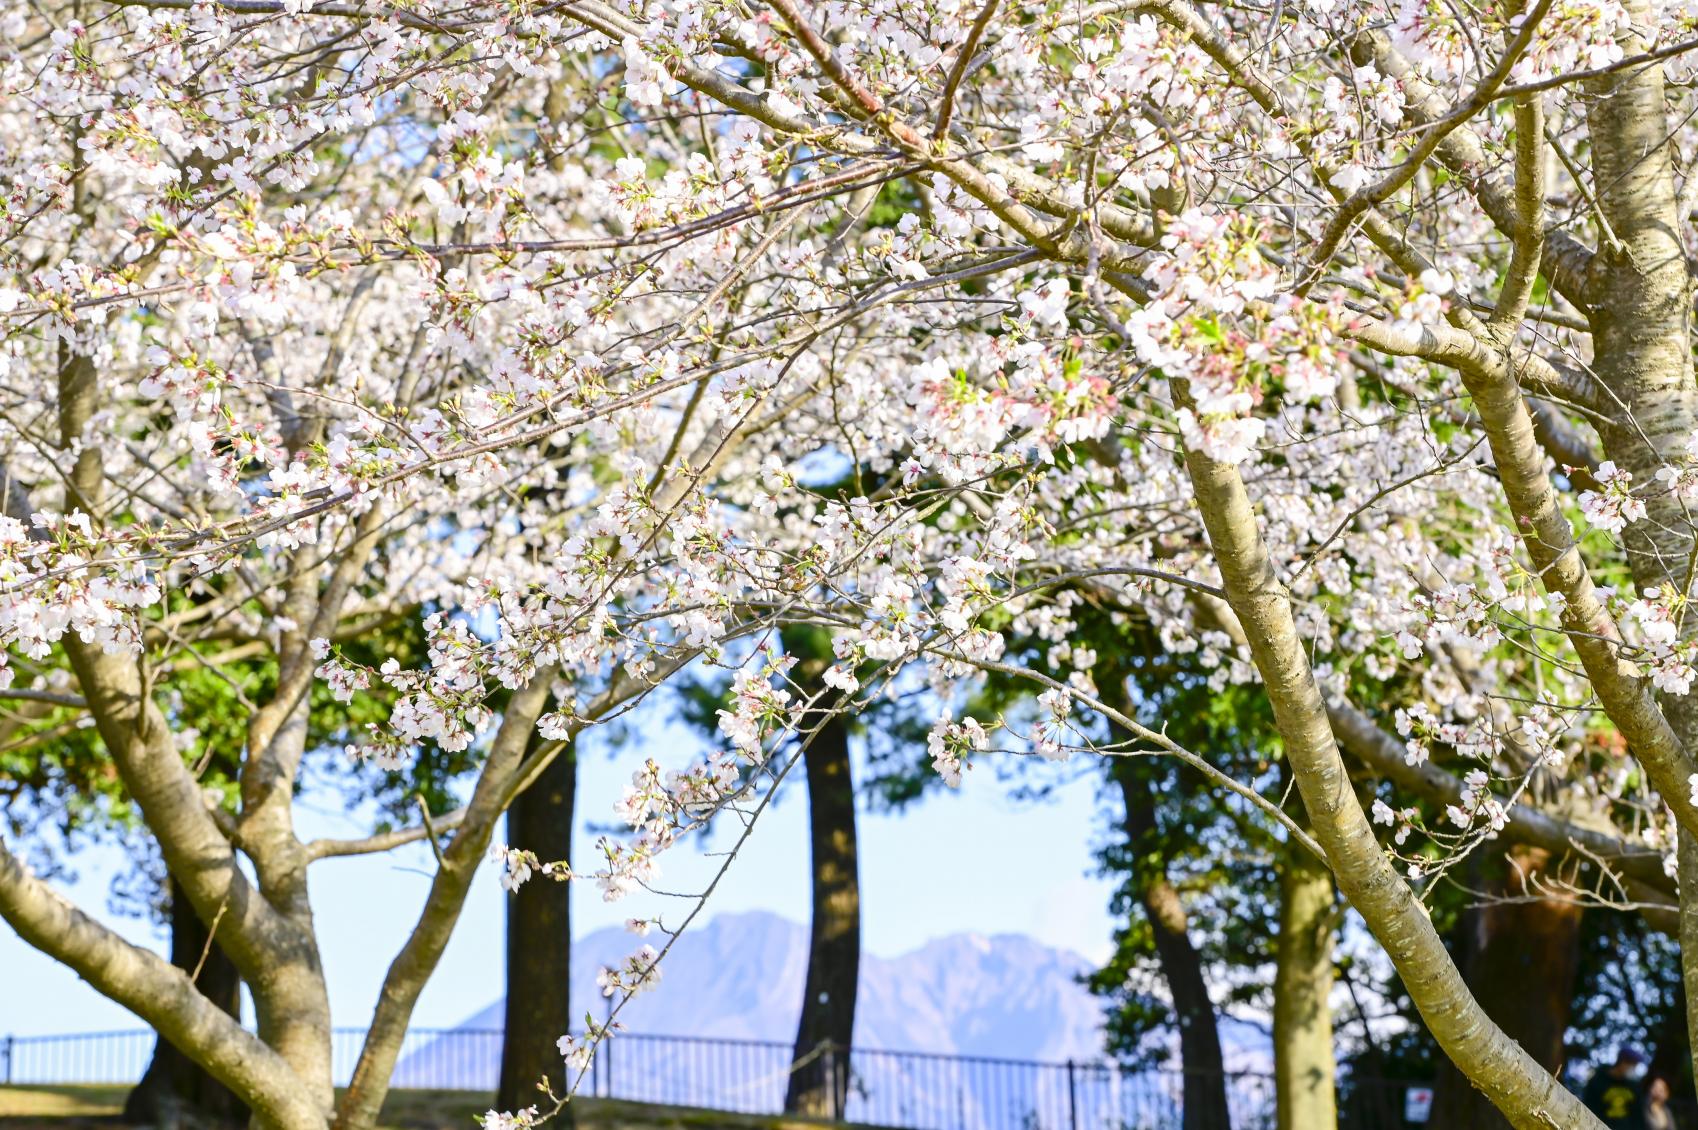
[[174, 1091], [819, 1079], [539, 941]]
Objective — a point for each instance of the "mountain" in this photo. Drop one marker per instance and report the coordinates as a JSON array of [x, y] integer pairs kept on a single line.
[[717, 1030], [740, 977]]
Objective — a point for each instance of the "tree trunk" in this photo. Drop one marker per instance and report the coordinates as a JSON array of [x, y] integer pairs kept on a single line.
[[1642, 349], [1687, 846], [539, 942], [819, 1081], [1181, 965], [362, 1102], [1516, 1083], [1520, 960], [1303, 1047], [176, 1091]]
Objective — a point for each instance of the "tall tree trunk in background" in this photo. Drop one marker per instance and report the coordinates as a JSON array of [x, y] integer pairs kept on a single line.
[[175, 1091], [539, 942], [1520, 960], [1181, 964], [1302, 1022], [819, 1083]]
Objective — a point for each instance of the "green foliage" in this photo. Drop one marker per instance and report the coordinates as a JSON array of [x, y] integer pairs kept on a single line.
[[1217, 854], [59, 786], [895, 199], [334, 725]]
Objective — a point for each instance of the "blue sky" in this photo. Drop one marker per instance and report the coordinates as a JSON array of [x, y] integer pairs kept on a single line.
[[974, 861]]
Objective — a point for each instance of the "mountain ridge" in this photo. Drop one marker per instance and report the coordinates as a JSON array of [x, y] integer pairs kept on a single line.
[[1004, 995], [962, 1032]]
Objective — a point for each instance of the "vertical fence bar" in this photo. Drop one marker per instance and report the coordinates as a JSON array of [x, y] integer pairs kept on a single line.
[[8, 1046], [1072, 1099]]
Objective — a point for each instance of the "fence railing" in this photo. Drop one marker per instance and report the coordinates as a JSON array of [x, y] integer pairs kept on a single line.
[[914, 1090]]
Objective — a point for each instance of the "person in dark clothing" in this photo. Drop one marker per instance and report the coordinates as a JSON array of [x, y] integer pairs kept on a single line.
[[1615, 1094]]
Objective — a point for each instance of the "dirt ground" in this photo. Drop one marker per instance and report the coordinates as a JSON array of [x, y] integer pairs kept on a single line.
[[91, 1107], [34, 1107]]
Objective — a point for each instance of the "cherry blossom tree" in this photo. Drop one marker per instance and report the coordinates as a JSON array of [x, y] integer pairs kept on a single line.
[[1347, 345]]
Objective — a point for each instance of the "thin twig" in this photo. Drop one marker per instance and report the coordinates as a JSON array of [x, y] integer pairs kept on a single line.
[[430, 830], [959, 70], [211, 932]]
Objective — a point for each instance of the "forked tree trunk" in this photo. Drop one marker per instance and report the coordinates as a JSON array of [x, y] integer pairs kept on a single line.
[[1519, 959], [1303, 977], [819, 1081], [176, 1091], [539, 943], [1181, 965], [1642, 354], [1519, 1087]]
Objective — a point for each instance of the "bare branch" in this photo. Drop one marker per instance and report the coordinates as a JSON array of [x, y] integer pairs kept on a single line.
[[383, 841]]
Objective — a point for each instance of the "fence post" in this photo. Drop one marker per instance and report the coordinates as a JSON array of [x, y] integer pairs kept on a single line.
[[8, 1046], [1072, 1099], [831, 1080]]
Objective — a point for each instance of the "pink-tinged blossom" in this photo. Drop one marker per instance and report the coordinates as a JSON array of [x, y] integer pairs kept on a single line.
[[516, 865], [1402, 821], [517, 1120], [1615, 506], [644, 78], [578, 1053], [638, 973], [951, 746]]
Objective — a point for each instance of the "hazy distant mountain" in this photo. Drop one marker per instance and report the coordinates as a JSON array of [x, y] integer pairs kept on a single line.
[[739, 978]]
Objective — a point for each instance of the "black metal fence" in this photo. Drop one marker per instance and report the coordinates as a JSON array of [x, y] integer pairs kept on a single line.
[[914, 1090]]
